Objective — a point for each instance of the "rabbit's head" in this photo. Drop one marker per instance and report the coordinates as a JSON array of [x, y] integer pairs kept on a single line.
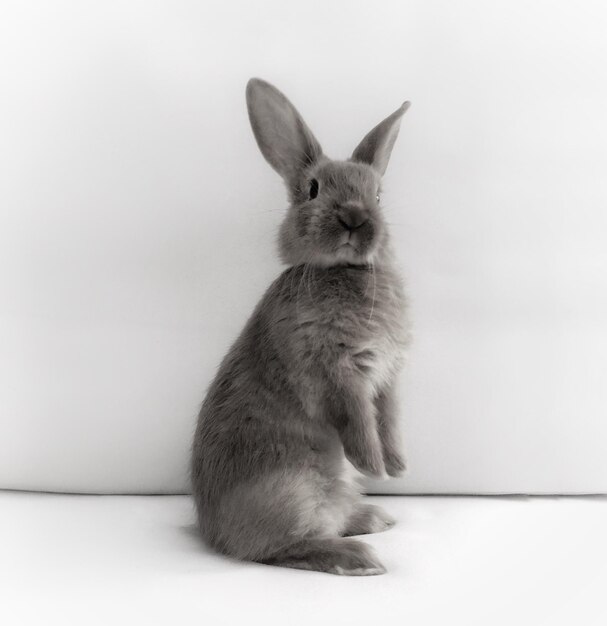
[[335, 216]]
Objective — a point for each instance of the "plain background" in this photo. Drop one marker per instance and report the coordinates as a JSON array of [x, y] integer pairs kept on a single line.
[[137, 224]]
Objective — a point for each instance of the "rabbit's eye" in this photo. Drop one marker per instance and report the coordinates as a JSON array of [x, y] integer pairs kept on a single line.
[[377, 196], [313, 188]]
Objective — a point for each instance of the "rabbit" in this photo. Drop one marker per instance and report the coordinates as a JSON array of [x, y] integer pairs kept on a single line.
[[303, 404]]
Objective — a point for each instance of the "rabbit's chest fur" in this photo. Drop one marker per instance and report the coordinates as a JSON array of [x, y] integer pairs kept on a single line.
[[350, 318]]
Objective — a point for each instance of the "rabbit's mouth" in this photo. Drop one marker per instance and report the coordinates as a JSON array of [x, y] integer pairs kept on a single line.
[[350, 253], [346, 253], [359, 244]]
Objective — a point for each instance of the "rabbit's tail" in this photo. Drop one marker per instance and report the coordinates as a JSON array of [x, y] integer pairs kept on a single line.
[[334, 555]]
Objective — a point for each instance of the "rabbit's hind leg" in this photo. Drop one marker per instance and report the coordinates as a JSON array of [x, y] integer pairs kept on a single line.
[[325, 508], [287, 518], [334, 555]]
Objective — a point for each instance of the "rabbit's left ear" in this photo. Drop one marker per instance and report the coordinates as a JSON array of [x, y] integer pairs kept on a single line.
[[376, 147]]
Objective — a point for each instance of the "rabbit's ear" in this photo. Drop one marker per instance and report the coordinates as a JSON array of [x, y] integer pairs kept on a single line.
[[376, 147], [282, 136]]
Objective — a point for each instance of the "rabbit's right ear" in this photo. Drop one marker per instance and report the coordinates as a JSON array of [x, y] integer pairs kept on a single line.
[[282, 136]]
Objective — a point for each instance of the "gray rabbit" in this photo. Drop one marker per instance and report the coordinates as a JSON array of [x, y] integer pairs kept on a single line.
[[305, 396]]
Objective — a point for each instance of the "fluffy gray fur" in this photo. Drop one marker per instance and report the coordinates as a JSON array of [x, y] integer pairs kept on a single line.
[[307, 390]]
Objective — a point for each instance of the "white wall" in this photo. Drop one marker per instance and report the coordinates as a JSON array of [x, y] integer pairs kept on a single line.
[[137, 222]]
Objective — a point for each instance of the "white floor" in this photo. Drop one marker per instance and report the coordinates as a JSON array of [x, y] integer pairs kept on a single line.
[[451, 560]]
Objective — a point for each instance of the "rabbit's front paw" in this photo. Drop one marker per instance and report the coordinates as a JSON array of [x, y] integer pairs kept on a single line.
[[395, 463], [366, 458]]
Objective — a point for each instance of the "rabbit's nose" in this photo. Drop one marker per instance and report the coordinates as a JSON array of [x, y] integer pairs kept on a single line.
[[352, 218]]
